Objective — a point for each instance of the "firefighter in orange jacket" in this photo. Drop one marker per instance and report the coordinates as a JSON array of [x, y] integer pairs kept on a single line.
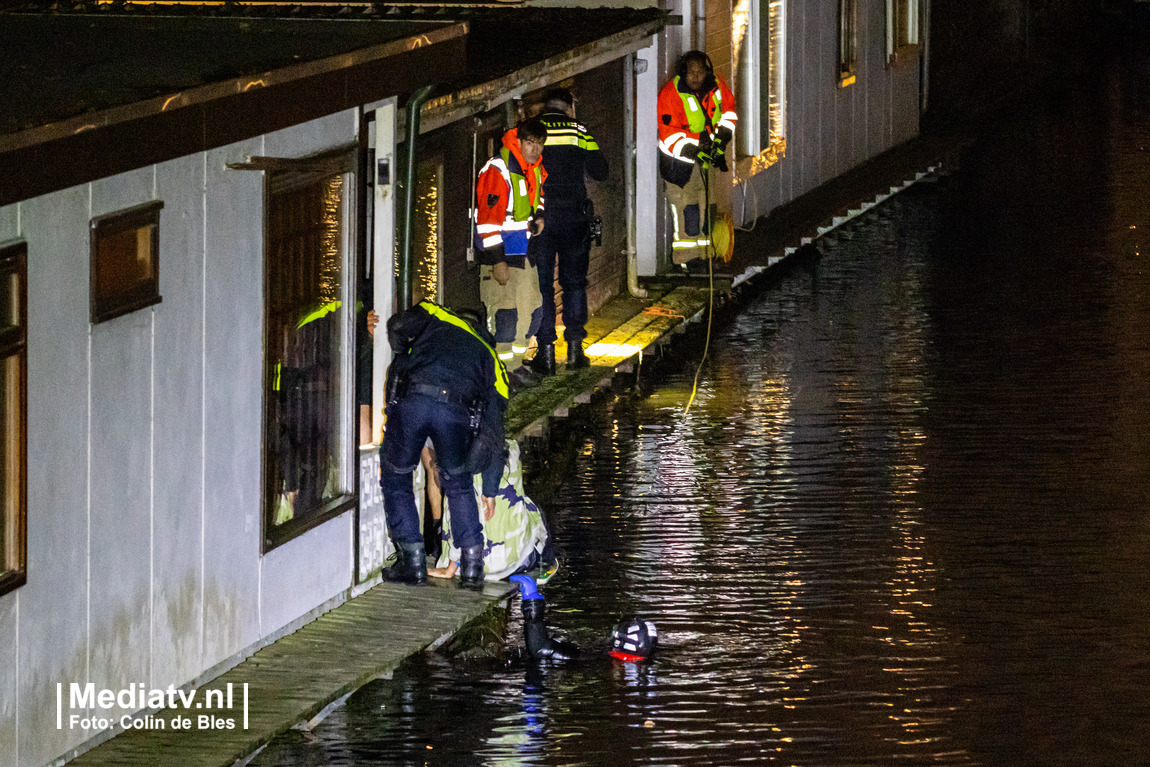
[[509, 211], [696, 123]]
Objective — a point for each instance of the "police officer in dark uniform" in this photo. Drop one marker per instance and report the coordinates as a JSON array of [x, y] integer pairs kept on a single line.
[[570, 152], [445, 382]]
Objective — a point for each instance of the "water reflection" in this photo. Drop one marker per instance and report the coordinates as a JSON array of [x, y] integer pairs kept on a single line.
[[904, 521]]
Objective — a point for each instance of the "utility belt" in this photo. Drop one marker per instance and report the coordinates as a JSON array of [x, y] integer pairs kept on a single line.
[[405, 386]]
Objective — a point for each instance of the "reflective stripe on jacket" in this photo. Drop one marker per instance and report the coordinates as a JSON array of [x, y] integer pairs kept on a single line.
[[507, 198], [683, 117], [569, 152]]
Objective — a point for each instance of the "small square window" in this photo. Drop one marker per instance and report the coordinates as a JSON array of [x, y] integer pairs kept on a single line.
[[125, 261]]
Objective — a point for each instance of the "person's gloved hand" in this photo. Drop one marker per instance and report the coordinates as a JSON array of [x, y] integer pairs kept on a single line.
[[706, 144], [723, 137]]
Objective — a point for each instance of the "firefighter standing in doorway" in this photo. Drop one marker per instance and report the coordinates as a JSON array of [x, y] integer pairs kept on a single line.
[[696, 124]]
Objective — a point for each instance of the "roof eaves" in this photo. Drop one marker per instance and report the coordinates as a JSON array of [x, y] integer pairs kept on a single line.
[[475, 99], [231, 87]]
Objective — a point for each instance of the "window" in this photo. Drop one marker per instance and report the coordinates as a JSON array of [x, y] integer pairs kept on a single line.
[[902, 24], [745, 39], [848, 59], [425, 229], [125, 261], [759, 36], [310, 423], [13, 409]]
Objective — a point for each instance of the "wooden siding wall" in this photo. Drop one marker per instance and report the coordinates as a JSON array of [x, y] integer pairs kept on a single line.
[[830, 129]]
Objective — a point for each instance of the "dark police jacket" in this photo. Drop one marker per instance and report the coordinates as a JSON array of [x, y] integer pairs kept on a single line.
[[569, 151], [435, 347]]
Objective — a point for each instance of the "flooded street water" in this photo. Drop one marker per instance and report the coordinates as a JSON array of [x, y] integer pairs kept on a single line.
[[906, 520]]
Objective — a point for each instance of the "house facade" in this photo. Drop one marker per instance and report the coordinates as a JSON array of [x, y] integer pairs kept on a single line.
[[187, 252]]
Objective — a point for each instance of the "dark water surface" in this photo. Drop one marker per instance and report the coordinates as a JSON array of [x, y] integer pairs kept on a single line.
[[904, 522]]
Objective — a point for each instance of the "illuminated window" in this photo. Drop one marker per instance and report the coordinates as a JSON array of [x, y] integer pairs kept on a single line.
[[311, 425], [13, 422], [759, 41], [425, 229], [125, 261], [848, 59], [902, 22]]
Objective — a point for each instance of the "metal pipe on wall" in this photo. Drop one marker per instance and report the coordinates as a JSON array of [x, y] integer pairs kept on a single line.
[[411, 137], [699, 28], [629, 174]]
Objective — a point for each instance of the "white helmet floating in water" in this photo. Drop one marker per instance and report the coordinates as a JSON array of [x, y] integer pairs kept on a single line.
[[634, 639]]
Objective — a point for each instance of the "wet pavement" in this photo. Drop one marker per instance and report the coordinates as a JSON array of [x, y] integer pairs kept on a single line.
[[905, 520]]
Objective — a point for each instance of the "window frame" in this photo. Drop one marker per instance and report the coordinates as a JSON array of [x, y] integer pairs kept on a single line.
[[342, 163], [104, 308], [14, 342], [747, 15], [903, 18], [848, 42]]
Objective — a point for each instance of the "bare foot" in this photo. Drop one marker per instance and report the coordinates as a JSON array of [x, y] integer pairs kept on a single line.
[[443, 572]]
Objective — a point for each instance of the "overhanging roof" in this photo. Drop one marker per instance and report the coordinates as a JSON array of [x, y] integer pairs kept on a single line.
[[69, 73], [96, 93], [513, 51]]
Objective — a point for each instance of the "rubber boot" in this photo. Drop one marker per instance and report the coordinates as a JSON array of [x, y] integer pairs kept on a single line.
[[540, 644], [576, 359], [471, 566], [543, 363], [410, 565]]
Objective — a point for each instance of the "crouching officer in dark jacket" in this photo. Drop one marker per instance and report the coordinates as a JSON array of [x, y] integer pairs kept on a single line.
[[445, 382]]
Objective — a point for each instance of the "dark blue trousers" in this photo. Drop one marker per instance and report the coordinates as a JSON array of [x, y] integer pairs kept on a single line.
[[410, 421], [564, 238]]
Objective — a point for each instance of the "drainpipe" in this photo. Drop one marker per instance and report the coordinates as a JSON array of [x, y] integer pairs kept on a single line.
[[700, 26], [629, 174], [411, 135]]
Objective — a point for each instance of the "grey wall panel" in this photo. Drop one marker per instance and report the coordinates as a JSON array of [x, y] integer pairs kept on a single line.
[[306, 572], [178, 451], [9, 222], [878, 83], [846, 104], [54, 602], [312, 137], [827, 90], [233, 354], [9, 700], [120, 460], [904, 101], [120, 497]]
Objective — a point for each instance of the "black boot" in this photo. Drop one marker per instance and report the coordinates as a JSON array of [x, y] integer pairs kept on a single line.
[[543, 363], [471, 566], [410, 565], [576, 359], [540, 644]]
